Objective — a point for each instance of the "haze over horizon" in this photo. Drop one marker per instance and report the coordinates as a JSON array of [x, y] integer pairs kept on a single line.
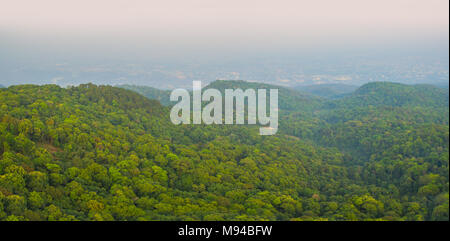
[[168, 44]]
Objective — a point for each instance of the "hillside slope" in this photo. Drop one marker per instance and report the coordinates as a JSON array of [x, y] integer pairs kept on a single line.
[[163, 96]]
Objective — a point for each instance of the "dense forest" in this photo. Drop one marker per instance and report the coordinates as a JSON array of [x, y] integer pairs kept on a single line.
[[107, 153]]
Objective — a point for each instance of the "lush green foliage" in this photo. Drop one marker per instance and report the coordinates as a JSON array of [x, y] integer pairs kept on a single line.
[[105, 153]]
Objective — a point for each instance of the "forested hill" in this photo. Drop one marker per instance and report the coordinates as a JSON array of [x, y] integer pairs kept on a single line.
[[105, 153], [345, 96], [377, 118], [396, 95]]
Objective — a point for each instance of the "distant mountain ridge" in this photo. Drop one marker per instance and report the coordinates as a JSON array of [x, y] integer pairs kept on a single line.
[[311, 97], [396, 94], [289, 99], [163, 96], [330, 91]]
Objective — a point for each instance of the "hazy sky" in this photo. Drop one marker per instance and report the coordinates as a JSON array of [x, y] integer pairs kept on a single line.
[[225, 24], [117, 32]]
